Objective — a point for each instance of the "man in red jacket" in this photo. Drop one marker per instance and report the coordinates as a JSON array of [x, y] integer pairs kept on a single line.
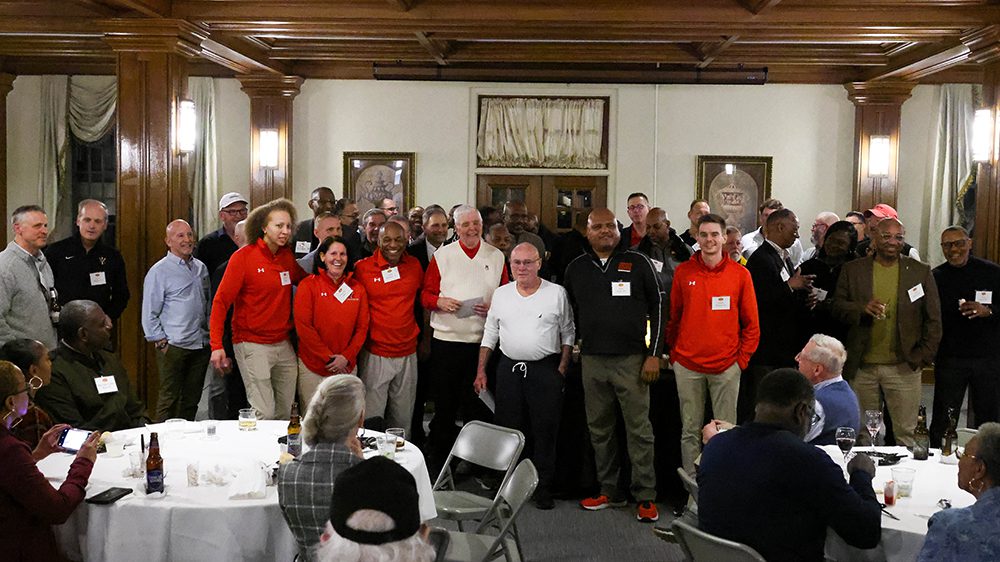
[[712, 333], [388, 363]]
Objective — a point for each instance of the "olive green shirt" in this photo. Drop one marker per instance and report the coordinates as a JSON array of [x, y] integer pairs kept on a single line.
[[884, 343]]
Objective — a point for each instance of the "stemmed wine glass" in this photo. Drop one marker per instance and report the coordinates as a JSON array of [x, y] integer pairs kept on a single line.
[[845, 440], [873, 421]]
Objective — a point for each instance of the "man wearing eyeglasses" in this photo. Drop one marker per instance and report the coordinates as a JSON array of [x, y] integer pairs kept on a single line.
[[217, 247], [890, 304], [638, 208], [969, 354], [389, 207], [533, 322]]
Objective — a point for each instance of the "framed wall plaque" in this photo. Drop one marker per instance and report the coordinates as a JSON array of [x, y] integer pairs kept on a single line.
[[734, 186], [370, 177]]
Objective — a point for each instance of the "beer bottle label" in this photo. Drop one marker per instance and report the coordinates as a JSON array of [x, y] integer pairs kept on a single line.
[[154, 481], [294, 444]]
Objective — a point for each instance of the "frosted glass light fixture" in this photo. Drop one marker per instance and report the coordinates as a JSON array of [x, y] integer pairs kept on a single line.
[[878, 156], [186, 133], [268, 148], [982, 135]]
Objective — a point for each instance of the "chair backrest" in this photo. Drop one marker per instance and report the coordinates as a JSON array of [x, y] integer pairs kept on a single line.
[[690, 484], [507, 505], [439, 538], [965, 435], [484, 444], [700, 546]]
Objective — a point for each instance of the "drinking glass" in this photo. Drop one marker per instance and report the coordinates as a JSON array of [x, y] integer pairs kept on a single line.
[[873, 421], [845, 440], [400, 435], [386, 446], [248, 419]]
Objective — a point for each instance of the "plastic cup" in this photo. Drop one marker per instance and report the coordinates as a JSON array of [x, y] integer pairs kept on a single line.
[[248, 419], [400, 435], [903, 477], [387, 446], [137, 463], [115, 447], [211, 429]]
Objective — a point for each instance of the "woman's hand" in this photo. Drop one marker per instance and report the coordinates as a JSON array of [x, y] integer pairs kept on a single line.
[[355, 446], [337, 365], [49, 443], [89, 448]]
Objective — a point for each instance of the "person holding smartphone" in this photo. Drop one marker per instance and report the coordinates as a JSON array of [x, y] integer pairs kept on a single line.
[[29, 503]]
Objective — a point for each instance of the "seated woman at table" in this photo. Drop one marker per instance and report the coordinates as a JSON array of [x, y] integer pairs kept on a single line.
[[330, 429], [29, 505], [32, 357], [331, 318], [970, 534], [375, 515]]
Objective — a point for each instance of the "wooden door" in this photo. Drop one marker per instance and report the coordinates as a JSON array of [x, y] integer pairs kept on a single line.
[[557, 200], [496, 190]]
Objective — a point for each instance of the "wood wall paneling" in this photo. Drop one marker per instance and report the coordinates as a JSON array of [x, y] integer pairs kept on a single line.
[[6, 85], [271, 100], [987, 230]]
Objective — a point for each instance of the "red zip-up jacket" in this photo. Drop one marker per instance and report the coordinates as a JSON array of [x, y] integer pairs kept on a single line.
[[707, 333], [253, 286], [393, 327], [326, 326]]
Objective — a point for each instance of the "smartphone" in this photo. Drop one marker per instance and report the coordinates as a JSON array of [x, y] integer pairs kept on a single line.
[[72, 439], [109, 496]]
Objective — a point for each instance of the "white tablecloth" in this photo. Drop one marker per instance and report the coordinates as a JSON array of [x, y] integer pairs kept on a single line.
[[903, 539], [192, 523]]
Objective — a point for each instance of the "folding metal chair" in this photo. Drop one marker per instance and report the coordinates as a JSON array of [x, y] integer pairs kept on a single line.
[[965, 435], [700, 546]]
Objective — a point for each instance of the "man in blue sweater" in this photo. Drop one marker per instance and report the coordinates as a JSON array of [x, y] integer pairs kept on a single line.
[[821, 361]]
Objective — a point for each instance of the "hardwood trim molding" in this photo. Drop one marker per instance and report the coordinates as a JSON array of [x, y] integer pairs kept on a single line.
[[879, 92], [154, 36], [6, 85]]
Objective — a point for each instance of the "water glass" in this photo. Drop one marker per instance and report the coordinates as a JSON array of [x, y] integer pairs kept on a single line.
[[387, 446], [903, 477], [248, 419], [137, 463], [211, 430], [400, 435]]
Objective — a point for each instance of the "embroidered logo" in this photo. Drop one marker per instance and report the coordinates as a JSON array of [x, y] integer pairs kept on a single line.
[[102, 259], [260, 270], [624, 267], [323, 294], [690, 283]]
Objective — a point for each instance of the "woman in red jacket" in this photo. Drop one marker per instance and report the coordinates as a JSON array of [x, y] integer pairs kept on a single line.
[[258, 285], [331, 318], [29, 505], [32, 357]]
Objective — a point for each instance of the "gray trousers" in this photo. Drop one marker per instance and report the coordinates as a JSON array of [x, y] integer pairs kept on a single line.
[[390, 387], [608, 379]]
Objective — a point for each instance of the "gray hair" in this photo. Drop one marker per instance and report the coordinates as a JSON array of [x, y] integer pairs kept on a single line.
[[828, 352], [372, 212], [989, 449], [956, 228], [18, 215], [334, 410], [83, 205], [339, 549], [431, 211], [75, 315], [464, 209]]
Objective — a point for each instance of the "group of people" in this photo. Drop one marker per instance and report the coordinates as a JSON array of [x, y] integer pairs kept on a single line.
[[443, 305]]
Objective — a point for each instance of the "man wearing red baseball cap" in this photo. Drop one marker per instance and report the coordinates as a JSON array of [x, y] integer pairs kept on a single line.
[[874, 216]]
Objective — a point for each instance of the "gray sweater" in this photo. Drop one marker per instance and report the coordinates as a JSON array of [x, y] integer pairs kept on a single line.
[[24, 312]]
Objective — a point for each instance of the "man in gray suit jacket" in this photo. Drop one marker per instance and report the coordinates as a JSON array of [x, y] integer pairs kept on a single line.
[[891, 305]]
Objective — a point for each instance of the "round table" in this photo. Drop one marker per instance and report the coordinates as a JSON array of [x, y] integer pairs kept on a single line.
[[903, 539], [192, 523]]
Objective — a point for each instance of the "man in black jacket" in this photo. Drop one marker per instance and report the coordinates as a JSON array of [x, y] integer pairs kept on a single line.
[[613, 292], [322, 202]]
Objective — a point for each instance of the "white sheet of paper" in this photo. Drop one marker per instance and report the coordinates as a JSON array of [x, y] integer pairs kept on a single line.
[[302, 247], [984, 297], [286, 278], [390, 275], [820, 294], [487, 397], [466, 310], [916, 292], [658, 265], [720, 303], [343, 292], [98, 278], [106, 385], [621, 289]]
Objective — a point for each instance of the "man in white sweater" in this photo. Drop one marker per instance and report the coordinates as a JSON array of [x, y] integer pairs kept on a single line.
[[533, 322]]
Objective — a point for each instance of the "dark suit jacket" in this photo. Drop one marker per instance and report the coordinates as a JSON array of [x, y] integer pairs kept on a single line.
[[304, 233], [418, 249], [918, 324], [780, 310]]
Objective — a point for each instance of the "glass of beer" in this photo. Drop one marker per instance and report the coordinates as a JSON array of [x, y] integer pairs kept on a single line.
[[400, 435], [248, 419]]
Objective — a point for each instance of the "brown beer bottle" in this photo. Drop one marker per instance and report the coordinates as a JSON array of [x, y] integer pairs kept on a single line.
[[154, 466], [921, 437], [294, 432], [950, 436]]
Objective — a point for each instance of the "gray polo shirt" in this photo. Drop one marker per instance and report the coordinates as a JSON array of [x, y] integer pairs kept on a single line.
[[24, 308]]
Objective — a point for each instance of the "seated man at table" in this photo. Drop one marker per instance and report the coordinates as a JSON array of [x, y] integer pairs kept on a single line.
[[330, 428], [759, 484], [90, 389]]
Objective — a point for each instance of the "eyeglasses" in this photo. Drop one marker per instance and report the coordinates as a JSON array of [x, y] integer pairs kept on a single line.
[[391, 209], [896, 237], [959, 244], [960, 453], [522, 263], [235, 212], [636, 207]]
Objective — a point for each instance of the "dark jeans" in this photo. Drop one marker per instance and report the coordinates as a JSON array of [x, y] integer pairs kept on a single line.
[[951, 377], [423, 384], [453, 365], [529, 399], [182, 377]]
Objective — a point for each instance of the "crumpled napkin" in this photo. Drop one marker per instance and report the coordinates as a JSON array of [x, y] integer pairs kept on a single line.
[[250, 481]]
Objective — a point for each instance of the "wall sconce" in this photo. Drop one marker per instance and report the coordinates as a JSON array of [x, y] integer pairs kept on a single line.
[[268, 154], [982, 135], [186, 118], [878, 156]]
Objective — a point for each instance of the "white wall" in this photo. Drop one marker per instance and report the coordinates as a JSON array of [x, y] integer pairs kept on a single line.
[[232, 110], [24, 109], [916, 140]]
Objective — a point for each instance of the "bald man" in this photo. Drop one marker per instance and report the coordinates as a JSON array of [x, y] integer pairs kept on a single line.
[[823, 221], [175, 319], [85, 267]]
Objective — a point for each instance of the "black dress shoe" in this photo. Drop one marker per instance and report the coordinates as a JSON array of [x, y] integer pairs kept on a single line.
[[543, 500]]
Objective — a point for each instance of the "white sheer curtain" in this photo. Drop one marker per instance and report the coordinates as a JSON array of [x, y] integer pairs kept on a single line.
[[52, 149], [541, 133], [203, 169], [951, 164]]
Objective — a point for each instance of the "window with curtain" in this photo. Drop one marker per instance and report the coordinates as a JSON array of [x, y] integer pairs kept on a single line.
[[93, 174], [542, 132]]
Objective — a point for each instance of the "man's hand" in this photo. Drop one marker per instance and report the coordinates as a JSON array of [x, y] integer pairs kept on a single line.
[[448, 304], [875, 308], [162, 346], [337, 365], [651, 370], [89, 448], [973, 309], [563, 367], [480, 383], [355, 445], [799, 281], [714, 428], [49, 443], [481, 309], [863, 462], [220, 362]]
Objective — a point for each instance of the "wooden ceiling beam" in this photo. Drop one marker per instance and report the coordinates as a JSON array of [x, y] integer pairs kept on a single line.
[[709, 52], [756, 7], [439, 50], [916, 63], [97, 7], [401, 5], [242, 59], [148, 8]]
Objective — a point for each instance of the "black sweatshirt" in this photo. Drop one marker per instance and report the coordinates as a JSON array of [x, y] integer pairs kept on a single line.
[[968, 337]]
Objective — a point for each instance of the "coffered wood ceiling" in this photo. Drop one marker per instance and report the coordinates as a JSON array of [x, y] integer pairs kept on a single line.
[[801, 41]]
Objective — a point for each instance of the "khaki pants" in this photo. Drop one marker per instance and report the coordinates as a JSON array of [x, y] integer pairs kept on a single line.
[[269, 372], [390, 387], [618, 378], [724, 388], [308, 383], [901, 386]]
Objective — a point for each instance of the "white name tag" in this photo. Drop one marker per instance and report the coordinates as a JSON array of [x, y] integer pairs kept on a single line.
[[302, 247], [390, 275], [621, 289], [286, 278], [820, 294], [984, 297], [720, 303], [106, 385], [343, 292], [98, 278], [658, 265], [916, 292], [784, 275]]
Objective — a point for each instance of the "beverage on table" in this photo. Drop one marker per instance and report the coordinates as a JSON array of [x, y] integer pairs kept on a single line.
[[873, 422], [400, 435], [294, 432], [948, 455], [845, 440], [921, 437], [248, 419], [154, 466]]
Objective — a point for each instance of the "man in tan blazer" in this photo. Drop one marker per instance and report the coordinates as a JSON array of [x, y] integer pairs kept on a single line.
[[890, 303]]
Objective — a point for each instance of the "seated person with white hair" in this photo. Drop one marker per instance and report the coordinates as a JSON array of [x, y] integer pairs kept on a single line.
[[330, 429], [375, 516]]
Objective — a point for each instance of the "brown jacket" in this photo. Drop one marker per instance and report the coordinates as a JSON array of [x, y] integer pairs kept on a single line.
[[918, 323]]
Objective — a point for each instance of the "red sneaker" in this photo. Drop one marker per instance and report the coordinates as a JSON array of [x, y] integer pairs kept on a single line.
[[598, 503], [646, 512]]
